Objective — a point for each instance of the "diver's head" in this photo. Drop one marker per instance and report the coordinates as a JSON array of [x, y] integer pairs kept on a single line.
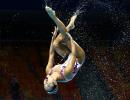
[[50, 11], [50, 85]]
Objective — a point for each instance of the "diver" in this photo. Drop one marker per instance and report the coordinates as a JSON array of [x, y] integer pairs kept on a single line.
[[66, 47]]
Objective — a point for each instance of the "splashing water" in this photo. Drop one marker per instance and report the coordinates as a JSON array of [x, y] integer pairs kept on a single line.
[[47, 2], [81, 7]]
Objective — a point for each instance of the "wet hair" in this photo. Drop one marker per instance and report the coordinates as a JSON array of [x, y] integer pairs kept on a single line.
[[53, 90]]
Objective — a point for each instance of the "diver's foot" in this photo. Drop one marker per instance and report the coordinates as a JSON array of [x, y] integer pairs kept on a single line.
[[73, 18], [72, 26], [50, 11]]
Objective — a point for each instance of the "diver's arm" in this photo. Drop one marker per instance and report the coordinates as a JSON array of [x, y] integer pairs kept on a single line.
[[50, 60], [57, 21], [51, 53]]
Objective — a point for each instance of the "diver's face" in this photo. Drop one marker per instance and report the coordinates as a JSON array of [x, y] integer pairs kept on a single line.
[[48, 83]]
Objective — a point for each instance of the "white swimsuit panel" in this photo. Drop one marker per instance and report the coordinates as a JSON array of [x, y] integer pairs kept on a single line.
[[75, 70]]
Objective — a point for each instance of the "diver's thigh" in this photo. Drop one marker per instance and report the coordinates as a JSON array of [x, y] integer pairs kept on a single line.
[[60, 38], [79, 51]]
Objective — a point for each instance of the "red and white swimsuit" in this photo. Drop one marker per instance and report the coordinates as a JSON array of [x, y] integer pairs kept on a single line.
[[75, 70], [64, 65]]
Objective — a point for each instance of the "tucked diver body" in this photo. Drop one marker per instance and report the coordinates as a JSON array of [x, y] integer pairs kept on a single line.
[[65, 46]]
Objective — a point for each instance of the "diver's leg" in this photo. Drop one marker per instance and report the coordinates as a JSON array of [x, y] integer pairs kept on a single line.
[[63, 32], [62, 45], [61, 48], [80, 54], [57, 21], [62, 28]]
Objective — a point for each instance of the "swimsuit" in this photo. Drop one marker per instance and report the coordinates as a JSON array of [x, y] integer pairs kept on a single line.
[[64, 65], [75, 70]]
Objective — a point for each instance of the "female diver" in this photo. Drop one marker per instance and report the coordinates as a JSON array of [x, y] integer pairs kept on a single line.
[[65, 46]]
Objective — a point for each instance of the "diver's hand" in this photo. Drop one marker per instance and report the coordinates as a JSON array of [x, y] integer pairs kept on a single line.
[[55, 32], [50, 11]]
